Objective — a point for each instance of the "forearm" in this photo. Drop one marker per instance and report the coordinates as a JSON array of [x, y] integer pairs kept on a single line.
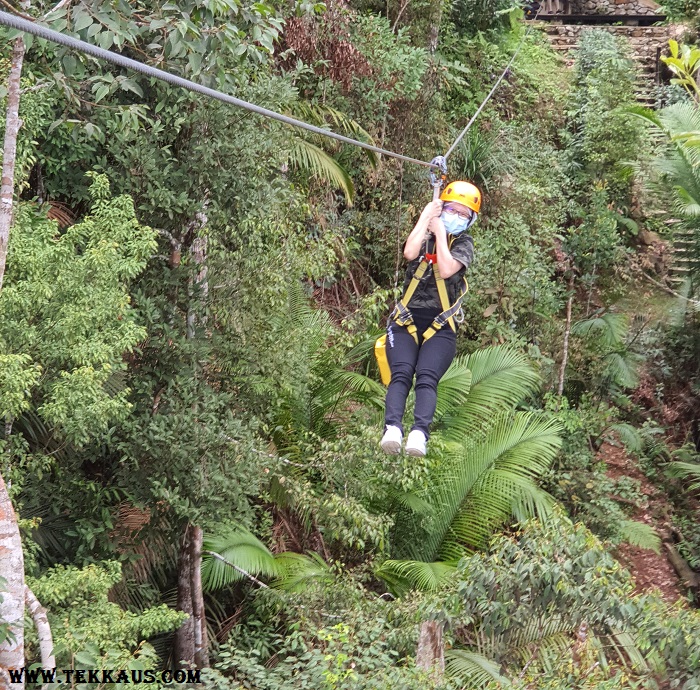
[[447, 265], [415, 240]]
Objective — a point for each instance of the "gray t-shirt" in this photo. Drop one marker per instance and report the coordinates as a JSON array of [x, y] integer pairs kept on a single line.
[[426, 296]]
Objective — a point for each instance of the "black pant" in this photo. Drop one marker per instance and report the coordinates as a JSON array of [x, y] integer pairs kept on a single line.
[[428, 361]]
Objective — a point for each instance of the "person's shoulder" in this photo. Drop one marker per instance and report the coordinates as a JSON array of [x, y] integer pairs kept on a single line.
[[464, 237], [462, 240]]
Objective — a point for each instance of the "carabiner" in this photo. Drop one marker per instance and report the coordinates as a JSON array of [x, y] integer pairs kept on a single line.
[[436, 181]]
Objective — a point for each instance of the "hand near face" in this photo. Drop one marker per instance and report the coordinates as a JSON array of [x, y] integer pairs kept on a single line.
[[432, 210], [435, 225]]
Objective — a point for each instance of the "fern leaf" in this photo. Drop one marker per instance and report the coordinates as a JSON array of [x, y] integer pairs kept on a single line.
[[629, 435], [686, 470], [639, 534]]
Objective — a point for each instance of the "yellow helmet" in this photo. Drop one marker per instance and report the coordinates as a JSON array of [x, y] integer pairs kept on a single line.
[[463, 193]]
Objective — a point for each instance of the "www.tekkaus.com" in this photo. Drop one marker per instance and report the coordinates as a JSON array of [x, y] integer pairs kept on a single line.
[[69, 676]]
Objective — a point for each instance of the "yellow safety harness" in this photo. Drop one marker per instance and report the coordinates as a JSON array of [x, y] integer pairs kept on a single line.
[[402, 315]]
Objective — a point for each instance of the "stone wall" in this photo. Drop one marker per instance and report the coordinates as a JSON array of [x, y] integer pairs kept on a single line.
[[644, 8], [634, 7], [644, 40]]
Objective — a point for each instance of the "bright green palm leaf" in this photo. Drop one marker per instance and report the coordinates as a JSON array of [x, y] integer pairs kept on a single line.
[[296, 571], [501, 378], [473, 670], [453, 390], [404, 576], [517, 447], [313, 160], [239, 552]]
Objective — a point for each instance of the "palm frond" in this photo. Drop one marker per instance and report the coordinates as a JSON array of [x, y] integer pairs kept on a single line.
[[639, 534], [402, 576], [501, 378], [453, 390], [409, 500], [315, 162], [548, 635], [297, 571], [496, 497], [686, 470], [628, 651], [486, 481], [680, 117], [686, 204], [472, 670], [320, 115], [234, 555], [610, 329], [621, 369]]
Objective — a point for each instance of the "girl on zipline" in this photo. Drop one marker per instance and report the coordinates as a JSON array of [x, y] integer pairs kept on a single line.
[[422, 333]]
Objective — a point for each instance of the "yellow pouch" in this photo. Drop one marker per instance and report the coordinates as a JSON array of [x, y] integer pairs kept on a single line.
[[382, 361]]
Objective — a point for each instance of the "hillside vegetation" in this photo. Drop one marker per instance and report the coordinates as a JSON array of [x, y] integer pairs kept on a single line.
[[192, 411]]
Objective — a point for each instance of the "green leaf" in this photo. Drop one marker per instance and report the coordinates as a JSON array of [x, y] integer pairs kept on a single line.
[[81, 20], [100, 92]]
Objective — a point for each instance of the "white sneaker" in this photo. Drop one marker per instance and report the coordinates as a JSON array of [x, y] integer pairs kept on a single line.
[[415, 443], [391, 441]]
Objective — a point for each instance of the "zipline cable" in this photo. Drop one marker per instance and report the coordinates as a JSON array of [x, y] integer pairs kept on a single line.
[[495, 86], [40, 31]]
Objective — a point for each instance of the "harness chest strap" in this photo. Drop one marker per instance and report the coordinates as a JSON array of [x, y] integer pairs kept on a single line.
[[403, 316]]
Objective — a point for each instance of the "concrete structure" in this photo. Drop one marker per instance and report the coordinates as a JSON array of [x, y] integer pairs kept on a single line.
[[629, 9], [564, 20]]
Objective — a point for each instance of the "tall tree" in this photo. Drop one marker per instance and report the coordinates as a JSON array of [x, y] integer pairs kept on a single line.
[[11, 558]]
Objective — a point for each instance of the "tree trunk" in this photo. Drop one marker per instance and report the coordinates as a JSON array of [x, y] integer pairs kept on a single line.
[[9, 151], [11, 556], [430, 655], [201, 643], [43, 629], [199, 285], [192, 644], [690, 578], [434, 19], [184, 639], [567, 333], [12, 570]]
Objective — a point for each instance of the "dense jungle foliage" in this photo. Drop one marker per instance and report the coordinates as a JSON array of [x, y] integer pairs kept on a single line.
[[190, 302]]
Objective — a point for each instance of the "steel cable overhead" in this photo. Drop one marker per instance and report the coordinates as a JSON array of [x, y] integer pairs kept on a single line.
[[44, 32], [493, 90], [437, 164]]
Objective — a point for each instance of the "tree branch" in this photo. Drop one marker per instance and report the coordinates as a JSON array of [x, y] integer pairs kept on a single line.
[[667, 289], [43, 629], [14, 10]]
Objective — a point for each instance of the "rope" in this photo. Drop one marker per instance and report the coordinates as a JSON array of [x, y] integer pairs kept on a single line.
[[20, 24], [495, 86]]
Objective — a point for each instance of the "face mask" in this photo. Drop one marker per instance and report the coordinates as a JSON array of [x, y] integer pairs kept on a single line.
[[454, 224]]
